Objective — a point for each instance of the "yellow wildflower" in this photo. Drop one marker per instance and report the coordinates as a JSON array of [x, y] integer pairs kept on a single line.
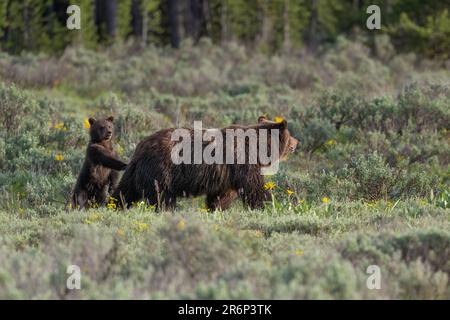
[[111, 205], [141, 226], [325, 200], [372, 203], [270, 185], [59, 126], [86, 123], [138, 204], [111, 199], [298, 252], [289, 191], [331, 142], [257, 234], [93, 204], [181, 225], [95, 217], [59, 157]]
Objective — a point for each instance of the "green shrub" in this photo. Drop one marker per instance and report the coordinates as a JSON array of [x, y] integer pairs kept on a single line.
[[373, 177]]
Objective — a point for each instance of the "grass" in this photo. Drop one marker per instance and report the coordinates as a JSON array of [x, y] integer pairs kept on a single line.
[[321, 253], [369, 184]]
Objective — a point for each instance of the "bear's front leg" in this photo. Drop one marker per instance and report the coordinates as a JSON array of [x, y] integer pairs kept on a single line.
[[113, 180], [254, 199], [99, 198], [168, 201], [252, 192]]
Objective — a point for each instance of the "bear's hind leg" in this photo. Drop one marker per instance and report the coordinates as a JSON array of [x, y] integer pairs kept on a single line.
[[100, 197], [222, 201], [79, 200]]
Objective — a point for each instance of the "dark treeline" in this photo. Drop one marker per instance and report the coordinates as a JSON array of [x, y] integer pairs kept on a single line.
[[268, 25]]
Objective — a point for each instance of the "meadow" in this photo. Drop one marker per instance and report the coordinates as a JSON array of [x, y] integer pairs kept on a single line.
[[368, 185]]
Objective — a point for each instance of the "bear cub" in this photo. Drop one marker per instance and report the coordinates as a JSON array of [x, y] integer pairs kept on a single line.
[[100, 171]]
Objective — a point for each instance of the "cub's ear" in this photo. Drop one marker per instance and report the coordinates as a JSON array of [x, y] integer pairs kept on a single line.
[[111, 119], [262, 119], [91, 121]]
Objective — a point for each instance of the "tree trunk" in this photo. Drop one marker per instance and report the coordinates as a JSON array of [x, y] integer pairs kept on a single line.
[[6, 26], [224, 22], [26, 26], [111, 17], [265, 36], [194, 19], [312, 28], [136, 18], [144, 28], [208, 18], [174, 23], [286, 27]]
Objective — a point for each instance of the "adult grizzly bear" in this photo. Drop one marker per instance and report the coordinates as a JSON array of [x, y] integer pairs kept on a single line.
[[154, 176], [99, 173]]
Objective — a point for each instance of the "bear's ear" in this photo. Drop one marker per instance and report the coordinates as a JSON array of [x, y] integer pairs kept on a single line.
[[282, 124], [91, 121], [111, 119], [273, 125], [262, 119]]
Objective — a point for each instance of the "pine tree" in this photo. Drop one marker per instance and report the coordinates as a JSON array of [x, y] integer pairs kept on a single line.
[[14, 27], [36, 37], [57, 35], [244, 20], [123, 19], [3, 22], [284, 22], [87, 36], [153, 31]]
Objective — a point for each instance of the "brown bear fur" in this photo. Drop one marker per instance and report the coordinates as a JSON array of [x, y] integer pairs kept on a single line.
[[151, 174], [99, 173]]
